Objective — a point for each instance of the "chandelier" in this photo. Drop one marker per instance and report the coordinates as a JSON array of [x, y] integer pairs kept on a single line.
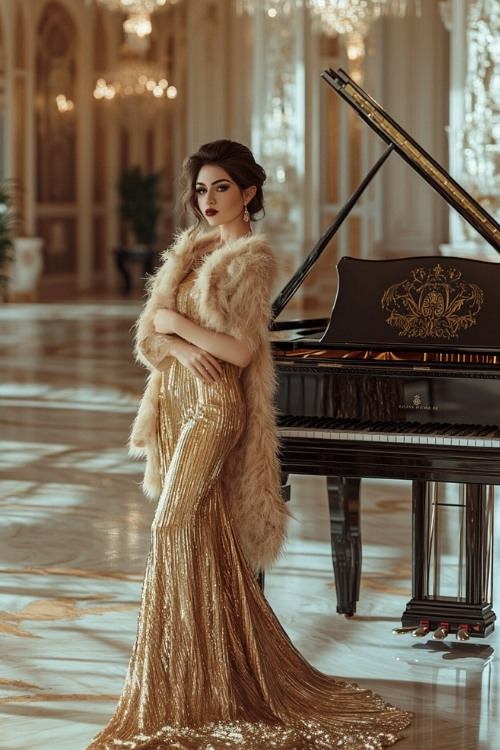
[[134, 79], [349, 19], [136, 6], [272, 8], [138, 12], [355, 16]]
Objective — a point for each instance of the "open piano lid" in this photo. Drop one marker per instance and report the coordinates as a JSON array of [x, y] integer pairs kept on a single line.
[[354, 310]]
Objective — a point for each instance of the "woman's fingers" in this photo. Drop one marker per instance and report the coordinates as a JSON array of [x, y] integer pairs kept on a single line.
[[204, 365], [209, 369], [199, 362]]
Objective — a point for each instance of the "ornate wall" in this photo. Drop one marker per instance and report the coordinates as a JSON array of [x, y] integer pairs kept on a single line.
[[248, 78], [66, 148]]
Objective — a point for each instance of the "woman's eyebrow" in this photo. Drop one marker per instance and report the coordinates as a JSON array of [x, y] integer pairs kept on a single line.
[[215, 182]]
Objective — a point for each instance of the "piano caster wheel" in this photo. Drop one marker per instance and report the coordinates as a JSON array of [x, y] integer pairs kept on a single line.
[[346, 612], [463, 633], [441, 632]]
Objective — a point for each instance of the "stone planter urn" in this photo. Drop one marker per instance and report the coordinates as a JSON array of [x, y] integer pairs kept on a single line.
[[26, 269]]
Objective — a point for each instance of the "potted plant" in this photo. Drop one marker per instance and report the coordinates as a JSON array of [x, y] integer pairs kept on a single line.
[[140, 203], [21, 261], [8, 222]]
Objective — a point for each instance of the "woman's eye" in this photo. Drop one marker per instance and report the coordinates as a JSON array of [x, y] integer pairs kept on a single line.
[[201, 191], [221, 188]]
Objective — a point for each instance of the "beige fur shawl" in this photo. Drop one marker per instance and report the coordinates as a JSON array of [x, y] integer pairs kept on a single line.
[[232, 289]]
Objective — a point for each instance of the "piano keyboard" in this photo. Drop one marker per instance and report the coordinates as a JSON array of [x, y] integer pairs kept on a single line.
[[417, 433]]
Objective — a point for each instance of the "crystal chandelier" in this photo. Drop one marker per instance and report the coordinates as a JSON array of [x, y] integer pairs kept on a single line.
[[138, 12], [138, 24], [272, 8], [132, 80], [135, 6], [350, 19], [355, 16]]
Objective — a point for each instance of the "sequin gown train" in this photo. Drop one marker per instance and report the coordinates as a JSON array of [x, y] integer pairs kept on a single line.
[[211, 667]]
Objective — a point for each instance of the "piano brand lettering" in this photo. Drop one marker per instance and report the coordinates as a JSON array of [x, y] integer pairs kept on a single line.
[[417, 405], [434, 303]]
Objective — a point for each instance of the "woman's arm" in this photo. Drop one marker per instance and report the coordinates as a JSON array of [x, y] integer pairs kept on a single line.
[[158, 350], [220, 345], [154, 350]]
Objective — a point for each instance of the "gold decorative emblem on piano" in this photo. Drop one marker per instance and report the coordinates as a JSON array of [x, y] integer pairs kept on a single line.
[[433, 303]]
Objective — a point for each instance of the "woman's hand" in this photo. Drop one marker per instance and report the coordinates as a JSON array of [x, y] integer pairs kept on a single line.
[[199, 362], [218, 346], [165, 320]]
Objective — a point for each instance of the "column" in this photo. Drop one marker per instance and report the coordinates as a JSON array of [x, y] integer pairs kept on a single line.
[[85, 150]]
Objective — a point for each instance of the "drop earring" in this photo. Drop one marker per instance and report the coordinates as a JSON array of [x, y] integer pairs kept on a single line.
[[246, 215]]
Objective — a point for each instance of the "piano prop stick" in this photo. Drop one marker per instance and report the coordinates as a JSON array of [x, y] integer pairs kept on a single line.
[[403, 382]]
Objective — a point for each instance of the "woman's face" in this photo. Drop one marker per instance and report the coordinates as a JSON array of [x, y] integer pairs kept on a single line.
[[220, 199]]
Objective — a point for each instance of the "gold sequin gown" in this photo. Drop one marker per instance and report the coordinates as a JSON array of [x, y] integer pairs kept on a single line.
[[211, 667]]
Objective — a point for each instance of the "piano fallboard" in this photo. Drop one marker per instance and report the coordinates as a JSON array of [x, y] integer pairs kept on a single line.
[[392, 392]]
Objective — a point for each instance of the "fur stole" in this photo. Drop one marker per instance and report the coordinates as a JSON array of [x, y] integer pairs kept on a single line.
[[232, 290]]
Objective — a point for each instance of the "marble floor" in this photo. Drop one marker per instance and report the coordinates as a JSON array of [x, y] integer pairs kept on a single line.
[[74, 533]]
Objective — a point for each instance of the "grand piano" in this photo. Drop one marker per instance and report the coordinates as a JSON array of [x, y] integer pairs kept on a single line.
[[402, 382]]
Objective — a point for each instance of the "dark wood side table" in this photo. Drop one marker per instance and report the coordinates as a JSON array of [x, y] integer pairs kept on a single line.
[[124, 256]]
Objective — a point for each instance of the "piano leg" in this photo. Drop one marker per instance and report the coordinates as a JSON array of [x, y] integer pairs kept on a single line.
[[471, 609], [343, 501]]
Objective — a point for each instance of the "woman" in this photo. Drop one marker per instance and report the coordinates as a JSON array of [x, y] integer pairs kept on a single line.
[[211, 666]]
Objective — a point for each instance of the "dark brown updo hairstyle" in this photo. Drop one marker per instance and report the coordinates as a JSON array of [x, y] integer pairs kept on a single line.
[[239, 163]]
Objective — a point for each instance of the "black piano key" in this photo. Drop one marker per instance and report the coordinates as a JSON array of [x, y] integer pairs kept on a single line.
[[285, 420], [309, 422], [469, 430], [457, 429], [379, 426], [365, 424], [406, 427], [327, 422], [488, 429], [443, 428], [344, 424], [351, 424], [301, 421], [336, 424], [425, 427], [390, 427]]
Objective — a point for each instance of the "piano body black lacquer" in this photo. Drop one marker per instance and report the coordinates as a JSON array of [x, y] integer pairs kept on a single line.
[[403, 382]]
